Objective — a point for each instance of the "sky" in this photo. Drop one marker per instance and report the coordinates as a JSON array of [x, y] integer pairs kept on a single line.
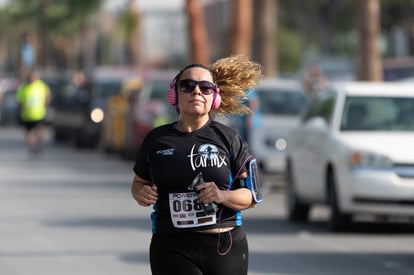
[[142, 4], [145, 4]]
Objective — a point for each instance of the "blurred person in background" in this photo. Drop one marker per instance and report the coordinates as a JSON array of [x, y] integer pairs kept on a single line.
[[251, 121], [82, 86], [33, 97], [197, 223], [246, 124], [314, 80]]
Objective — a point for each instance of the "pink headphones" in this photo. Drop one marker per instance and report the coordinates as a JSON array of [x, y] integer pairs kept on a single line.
[[172, 93], [172, 97]]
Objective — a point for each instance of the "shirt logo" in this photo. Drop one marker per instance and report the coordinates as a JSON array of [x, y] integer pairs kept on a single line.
[[207, 155], [208, 151]]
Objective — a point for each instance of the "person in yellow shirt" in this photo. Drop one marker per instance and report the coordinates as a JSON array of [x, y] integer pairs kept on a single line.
[[33, 97]]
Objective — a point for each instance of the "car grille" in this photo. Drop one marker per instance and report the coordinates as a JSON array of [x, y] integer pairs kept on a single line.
[[383, 201], [404, 170]]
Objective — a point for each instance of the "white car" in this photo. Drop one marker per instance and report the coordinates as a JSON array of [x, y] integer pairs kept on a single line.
[[281, 102], [354, 151]]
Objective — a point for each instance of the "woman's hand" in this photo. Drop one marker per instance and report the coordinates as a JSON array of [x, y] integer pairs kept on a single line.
[[209, 192], [238, 199], [143, 192]]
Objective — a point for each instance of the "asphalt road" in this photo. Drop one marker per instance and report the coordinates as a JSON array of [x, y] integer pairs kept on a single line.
[[70, 212]]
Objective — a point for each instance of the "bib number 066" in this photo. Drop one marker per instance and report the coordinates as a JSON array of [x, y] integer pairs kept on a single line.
[[186, 205]]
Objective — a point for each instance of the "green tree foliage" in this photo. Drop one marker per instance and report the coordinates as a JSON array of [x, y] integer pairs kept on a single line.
[[47, 20], [319, 22], [396, 12], [53, 15], [289, 50], [128, 29]]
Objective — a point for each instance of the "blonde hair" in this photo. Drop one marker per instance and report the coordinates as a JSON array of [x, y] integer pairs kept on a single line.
[[235, 75]]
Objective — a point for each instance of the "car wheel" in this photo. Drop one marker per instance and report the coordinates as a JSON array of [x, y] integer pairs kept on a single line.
[[129, 154], [81, 142], [107, 147], [60, 135], [338, 220], [86, 140], [297, 210], [110, 150]]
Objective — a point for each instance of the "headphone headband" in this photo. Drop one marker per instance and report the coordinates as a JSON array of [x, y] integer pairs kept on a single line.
[[194, 65]]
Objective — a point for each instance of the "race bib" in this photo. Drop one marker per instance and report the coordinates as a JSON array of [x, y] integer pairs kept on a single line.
[[186, 211]]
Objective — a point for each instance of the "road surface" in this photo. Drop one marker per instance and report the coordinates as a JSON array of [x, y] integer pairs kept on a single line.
[[70, 212]]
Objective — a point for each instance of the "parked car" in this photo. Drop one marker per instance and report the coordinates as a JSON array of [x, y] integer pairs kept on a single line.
[[353, 152], [116, 121], [281, 102], [55, 79], [148, 109], [9, 111], [138, 107], [79, 111]]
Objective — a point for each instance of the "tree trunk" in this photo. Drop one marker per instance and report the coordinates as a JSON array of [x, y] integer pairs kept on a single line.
[[43, 49], [65, 51], [88, 43], [267, 41], [242, 27], [133, 36], [370, 66], [200, 52]]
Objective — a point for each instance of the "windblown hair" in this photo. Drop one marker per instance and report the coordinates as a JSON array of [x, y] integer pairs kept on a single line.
[[235, 75]]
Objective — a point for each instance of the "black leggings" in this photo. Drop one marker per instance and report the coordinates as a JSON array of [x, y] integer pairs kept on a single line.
[[197, 253]]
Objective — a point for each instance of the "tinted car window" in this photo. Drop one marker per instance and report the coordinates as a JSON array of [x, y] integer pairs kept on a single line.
[[378, 113], [69, 98], [105, 89], [281, 102], [160, 89], [322, 107]]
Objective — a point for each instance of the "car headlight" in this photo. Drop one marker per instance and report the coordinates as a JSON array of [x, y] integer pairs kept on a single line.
[[369, 160], [279, 144], [97, 115]]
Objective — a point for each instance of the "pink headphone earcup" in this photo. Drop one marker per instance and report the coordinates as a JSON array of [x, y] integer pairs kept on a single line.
[[172, 95], [216, 100]]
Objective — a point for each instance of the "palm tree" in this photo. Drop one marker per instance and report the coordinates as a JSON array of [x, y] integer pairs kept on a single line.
[[200, 52], [370, 66], [129, 25], [266, 13], [242, 27], [47, 21]]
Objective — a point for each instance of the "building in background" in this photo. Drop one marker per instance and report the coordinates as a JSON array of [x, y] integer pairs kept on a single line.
[[162, 36], [164, 41]]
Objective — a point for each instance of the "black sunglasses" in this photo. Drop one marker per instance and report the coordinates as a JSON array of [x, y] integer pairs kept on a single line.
[[188, 86]]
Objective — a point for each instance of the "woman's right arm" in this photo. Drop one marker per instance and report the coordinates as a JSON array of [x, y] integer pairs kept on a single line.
[[143, 191]]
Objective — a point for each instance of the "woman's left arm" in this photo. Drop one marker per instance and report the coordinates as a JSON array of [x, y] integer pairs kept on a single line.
[[238, 199]]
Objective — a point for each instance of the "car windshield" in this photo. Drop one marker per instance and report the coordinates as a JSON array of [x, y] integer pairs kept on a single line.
[[105, 89], [378, 114], [281, 102], [160, 89]]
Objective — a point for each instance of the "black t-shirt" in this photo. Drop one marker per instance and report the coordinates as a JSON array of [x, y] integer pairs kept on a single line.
[[171, 159]]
